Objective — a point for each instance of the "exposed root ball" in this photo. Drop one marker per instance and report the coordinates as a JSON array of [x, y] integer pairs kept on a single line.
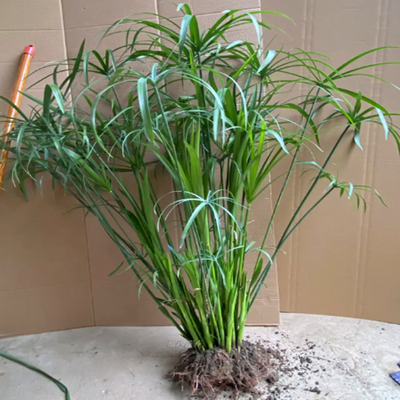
[[213, 371]]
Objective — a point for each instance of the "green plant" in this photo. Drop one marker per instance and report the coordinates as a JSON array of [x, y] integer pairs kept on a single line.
[[16, 360], [218, 144]]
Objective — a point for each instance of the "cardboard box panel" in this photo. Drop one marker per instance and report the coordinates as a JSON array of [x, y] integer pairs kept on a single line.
[[118, 304], [340, 261], [92, 13], [42, 245], [36, 15], [45, 309], [380, 293], [44, 283], [49, 45]]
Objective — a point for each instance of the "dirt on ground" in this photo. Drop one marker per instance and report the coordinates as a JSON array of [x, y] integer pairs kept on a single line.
[[262, 369], [301, 366]]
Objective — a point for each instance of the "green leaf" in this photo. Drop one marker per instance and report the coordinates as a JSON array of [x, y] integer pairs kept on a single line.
[[185, 7], [116, 269], [270, 56], [183, 33], [52, 89], [24, 364], [234, 44], [194, 31], [365, 53], [15, 107], [145, 108], [278, 138], [195, 171], [384, 123], [364, 98], [76, 67], [357, 135], [190, 222], [256, 26]]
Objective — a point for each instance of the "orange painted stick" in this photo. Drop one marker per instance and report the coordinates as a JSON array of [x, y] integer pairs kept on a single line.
[[23, 72]]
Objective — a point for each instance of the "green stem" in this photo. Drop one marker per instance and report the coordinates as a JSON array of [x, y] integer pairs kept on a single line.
[[315, 181], [288, 175], [283, 240], [288, 229]]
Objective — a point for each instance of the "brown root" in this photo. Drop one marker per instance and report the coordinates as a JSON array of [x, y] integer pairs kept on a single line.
[[210, 372]]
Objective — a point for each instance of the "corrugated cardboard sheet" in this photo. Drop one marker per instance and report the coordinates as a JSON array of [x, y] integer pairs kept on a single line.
[[44, 275], [54, 267], [342, 261]]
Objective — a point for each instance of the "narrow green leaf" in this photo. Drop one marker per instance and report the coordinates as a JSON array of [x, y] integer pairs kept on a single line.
[[76, 67], [384, 123], [57, 96], [270, 56], [145, 108], [190, 222], [357, 135], [183, 33], [16, 360]]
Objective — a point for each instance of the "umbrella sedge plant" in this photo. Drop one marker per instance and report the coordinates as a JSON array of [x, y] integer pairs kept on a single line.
[[216, 118]]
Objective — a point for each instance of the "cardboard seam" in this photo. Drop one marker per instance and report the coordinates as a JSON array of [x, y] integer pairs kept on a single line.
[[295, 240], [92, 27], [89, 272], [276, 300], [131, 16], [290, 242], [43, 287], [30, 30], [370, 166], [244, 10], [157, 8], [173, 18]]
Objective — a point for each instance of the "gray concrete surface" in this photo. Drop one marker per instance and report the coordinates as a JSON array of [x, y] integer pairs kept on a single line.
[[352, 360]]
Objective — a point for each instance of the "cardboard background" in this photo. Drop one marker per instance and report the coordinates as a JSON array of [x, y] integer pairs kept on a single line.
[[342, 261], [44, 271], [54, 267]]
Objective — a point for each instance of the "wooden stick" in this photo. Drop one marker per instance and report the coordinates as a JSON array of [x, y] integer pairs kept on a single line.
[[12, 113]]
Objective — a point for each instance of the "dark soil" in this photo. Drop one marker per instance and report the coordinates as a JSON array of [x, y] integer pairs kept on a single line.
[[211, 372]]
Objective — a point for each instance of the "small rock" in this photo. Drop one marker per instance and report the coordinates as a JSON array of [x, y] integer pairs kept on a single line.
[[315, 390]]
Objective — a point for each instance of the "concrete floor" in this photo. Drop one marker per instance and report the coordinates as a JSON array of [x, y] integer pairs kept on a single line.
[[352, 358]]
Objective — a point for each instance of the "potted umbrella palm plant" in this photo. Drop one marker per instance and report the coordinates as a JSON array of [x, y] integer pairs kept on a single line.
[[216, 119]]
